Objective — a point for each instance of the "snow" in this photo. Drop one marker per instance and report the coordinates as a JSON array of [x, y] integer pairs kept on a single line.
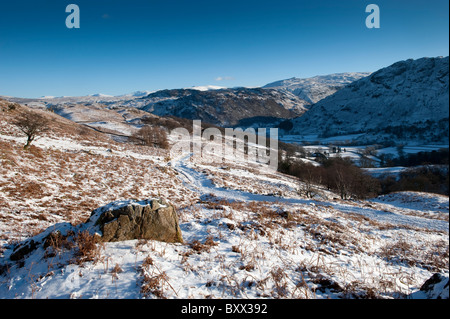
[[380, 171], [316, 88], [205, 88], [439, 290], [410, 96], [265, 240], [416, 201]]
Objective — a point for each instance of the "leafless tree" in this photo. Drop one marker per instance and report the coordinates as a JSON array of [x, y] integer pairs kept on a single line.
[[309, 177], [151, 136], [32, 125]]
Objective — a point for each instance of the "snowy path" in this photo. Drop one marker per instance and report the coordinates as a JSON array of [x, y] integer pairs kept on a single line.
[[199, 183], [203, 186]]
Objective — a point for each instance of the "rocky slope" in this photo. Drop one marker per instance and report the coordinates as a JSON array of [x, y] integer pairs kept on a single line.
[[225, 106], [316, 88], [407, 100]]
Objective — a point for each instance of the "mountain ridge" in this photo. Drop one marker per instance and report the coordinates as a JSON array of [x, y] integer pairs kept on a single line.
[[316, 88], [408, 99]]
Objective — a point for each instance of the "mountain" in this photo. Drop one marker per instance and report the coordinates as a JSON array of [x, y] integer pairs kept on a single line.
[[136, 94], [100, 95], [407, 100], [267, 106], [206, 87], [222, 106], [212, 104], [314, 89]]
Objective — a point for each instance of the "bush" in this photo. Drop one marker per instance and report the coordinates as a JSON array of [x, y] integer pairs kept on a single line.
[[87, 247], [336, 174], [439, 157], [349, 180], [432, 179]]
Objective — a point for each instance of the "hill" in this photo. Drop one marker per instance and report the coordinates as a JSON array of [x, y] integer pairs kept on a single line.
[[316, 88], [405, 101], [247, 233]]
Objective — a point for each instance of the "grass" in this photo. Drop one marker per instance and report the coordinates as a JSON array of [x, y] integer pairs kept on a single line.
[[88, 247], [154, 282]]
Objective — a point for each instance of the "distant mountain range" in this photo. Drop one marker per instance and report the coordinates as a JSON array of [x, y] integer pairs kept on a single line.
[[222, 106], [312, 90], [407, 100]]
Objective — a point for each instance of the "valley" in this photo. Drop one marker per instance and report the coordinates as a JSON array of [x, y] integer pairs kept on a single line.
[[248, 232]]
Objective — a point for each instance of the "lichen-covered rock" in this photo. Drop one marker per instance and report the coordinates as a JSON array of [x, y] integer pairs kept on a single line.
[[153, 219]]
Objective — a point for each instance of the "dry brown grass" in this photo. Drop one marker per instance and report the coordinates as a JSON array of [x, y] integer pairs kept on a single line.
[[434, 258], [88, 247], [198, 247], [154, 282], [66, 185], [56, 243]]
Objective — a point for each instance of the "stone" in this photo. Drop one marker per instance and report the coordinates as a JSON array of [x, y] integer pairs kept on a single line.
[[153, 219], [23, 250], [436, 287]]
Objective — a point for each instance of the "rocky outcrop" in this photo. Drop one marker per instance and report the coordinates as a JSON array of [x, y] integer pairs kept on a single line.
[[153, 219], [436, 287]]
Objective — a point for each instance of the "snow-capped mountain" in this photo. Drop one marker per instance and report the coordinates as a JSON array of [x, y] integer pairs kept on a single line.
[[100, 95], [316, 88], [206, 87], [91, 98], [222, 106], [136, 94], [215, 104], [407, 100]]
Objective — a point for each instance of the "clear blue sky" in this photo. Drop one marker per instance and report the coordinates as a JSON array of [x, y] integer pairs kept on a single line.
[[124, 46]]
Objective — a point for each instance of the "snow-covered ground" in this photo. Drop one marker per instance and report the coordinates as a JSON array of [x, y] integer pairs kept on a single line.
[[247, 232]]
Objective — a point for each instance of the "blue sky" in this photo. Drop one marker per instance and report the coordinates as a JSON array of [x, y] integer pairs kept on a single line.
[[124, 46]]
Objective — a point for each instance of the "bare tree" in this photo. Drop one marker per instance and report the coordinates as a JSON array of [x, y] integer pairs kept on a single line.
[[151, 136], [32, 125], [309, 177]]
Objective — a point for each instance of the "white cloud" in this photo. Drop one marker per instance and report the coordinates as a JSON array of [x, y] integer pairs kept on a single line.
[[224, 78]]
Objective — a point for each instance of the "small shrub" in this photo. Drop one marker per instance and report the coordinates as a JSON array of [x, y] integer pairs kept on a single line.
[[153, 285], [87, 247]]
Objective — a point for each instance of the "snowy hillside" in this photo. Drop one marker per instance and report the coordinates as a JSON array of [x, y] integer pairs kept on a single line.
[[316, 88], [247, 232], [405, 101], [222, 106]]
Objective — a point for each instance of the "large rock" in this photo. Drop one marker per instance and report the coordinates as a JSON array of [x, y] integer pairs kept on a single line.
[[122, 220], [153, 219], [436, 287]]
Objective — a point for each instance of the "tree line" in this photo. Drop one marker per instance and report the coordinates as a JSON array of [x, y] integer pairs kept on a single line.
[[335, 174], [349, 181]]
